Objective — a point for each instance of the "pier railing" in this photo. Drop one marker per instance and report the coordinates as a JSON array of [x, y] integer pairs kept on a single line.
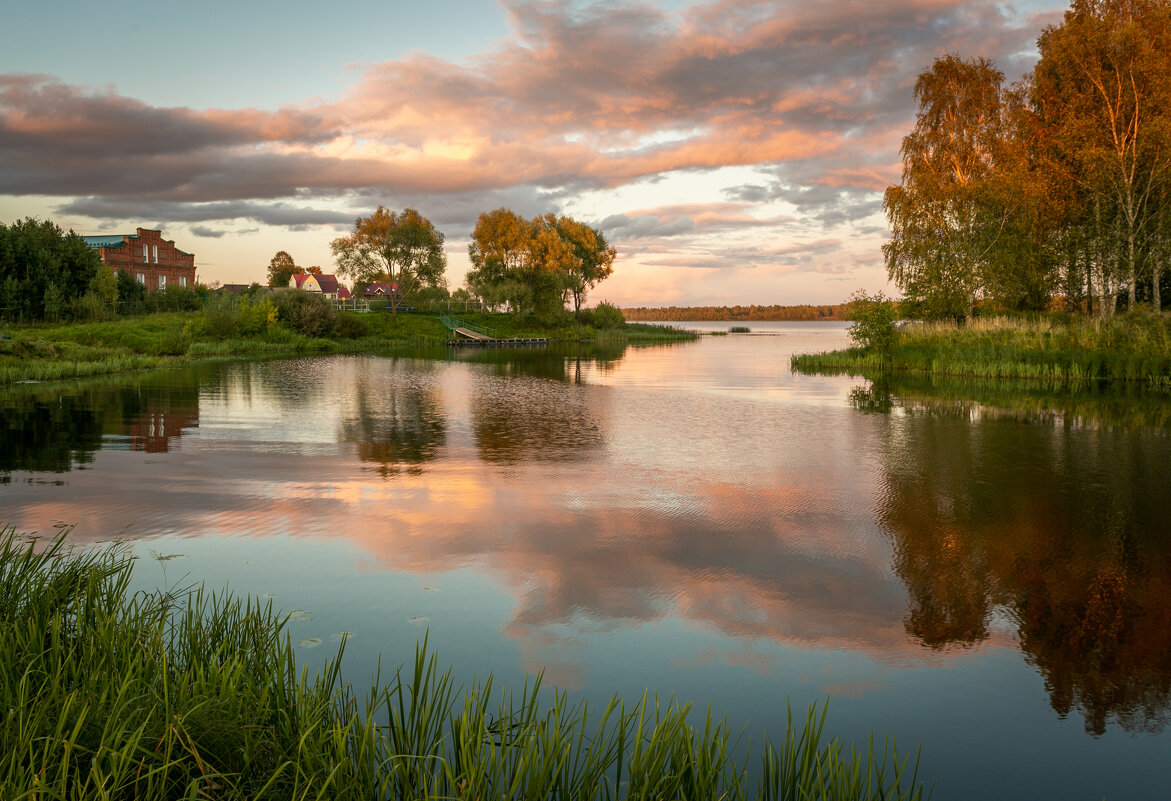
[[453, 323]]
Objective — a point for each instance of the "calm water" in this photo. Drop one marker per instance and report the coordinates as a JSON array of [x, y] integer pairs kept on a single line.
[[985, 570]]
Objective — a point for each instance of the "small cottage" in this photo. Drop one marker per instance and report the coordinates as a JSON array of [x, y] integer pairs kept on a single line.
[[327, 285]]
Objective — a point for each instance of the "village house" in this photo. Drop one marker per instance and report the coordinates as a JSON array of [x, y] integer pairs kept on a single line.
[[327, 285], [153, 261], [377, 290]]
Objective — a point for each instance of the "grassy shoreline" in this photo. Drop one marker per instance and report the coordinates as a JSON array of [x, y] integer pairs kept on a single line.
[[197, 695], [51, 352], [1050, 351]]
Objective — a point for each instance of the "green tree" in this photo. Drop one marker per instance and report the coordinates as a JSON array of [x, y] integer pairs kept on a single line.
[[281, 268], [405, 250], [43, 270], [949, 212], [874, 318], [105, 286], [131, 294]]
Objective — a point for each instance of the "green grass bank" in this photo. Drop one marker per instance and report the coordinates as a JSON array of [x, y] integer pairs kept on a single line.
[[48, 352], [1133, 348], [196, 695]]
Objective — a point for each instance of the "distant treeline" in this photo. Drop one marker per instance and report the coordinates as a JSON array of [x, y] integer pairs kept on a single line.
[[701, 313]]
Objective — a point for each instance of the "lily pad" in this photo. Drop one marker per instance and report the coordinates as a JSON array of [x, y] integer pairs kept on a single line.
[[309, 642], [299, 616], [342, 635], [421, 620]]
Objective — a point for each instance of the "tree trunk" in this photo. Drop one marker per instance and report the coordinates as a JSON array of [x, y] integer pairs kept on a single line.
[[1089, 283], [1133, 271], [1156, 276]]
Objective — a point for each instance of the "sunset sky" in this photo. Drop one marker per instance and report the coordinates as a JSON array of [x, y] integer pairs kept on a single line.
[[733, 151]]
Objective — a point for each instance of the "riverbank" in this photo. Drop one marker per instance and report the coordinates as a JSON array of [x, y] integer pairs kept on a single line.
[[1126, 349], [195, 694], [51, 352]]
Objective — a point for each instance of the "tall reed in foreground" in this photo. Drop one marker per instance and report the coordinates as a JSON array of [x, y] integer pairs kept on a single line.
[[196, 695]]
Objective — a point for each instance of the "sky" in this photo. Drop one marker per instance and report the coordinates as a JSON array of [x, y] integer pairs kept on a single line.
[[733, 151]]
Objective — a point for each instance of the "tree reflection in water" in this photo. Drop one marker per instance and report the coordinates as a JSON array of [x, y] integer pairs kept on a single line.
[[527, 407], [60, 426], [1059, 525], [398, 420]]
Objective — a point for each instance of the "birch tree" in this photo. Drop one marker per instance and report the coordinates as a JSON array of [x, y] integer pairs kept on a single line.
[[1102, 86], [947, 215]]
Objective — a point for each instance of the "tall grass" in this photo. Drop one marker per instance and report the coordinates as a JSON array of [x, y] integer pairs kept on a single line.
[[196, 695], [1128, 348]]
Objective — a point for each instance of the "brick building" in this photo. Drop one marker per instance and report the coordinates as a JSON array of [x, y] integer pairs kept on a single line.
[[155, 262]]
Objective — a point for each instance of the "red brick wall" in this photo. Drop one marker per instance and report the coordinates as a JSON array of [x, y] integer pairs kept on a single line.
[[171, 262]]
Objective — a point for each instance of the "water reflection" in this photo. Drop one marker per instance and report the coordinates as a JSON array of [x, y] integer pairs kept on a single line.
[[604, 493], [531, 420], [397, 421], [563, 362], [1133, 407], [59, 427], [1062, 527]]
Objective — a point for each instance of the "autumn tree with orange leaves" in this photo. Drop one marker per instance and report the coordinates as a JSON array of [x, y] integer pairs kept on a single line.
[[1057, 187], [536, 266], [403, 249]]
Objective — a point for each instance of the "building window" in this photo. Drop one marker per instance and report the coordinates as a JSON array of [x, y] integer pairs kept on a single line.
[[145, 260], [162, 282], [155, 252], [183, 281], [142, 278]]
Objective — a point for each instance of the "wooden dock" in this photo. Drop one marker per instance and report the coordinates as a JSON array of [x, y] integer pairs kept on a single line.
[[490, 342], [468, 335]]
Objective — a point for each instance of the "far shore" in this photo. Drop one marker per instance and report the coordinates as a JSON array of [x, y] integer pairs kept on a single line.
[[46, 352]]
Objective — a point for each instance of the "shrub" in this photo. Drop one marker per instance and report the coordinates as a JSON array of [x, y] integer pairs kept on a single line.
[[607, 315], [255, 316], [306, 312], [91, 308], [874, 321], [351, 326]]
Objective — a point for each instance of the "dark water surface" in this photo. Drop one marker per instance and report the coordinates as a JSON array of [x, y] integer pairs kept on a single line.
[[983, 569]]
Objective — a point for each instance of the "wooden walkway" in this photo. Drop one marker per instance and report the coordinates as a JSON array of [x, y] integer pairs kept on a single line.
[[469, 335], [490, 342]]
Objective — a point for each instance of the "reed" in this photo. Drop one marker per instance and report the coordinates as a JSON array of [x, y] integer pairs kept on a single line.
[[14, 372], [196, 695], [1130, 348]]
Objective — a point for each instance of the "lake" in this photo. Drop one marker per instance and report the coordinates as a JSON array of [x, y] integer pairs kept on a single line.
[[983, 569]]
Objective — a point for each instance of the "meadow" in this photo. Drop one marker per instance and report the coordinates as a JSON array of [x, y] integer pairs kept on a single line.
[[261, 327]]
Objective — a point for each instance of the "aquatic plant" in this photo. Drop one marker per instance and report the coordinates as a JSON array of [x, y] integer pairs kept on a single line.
[[1130, 348], [194, 694]]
